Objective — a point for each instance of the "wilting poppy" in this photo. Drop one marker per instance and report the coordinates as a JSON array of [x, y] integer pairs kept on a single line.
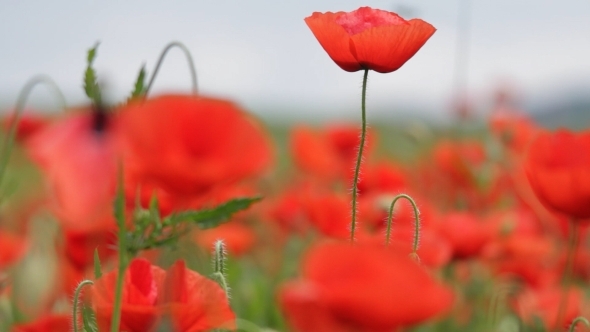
[[558, 169], [369, 38], [186, 145], [361, 288]]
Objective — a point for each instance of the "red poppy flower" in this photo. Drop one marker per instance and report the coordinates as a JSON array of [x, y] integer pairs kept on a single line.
[[467, 234], [187, 145], [237, 237], [79, 162], [194, 302], [12, 248], [329, 153], [361, 288], [49, 323], [369, 38], [558, 169], [28, 124], [544, 303], [141, 286]]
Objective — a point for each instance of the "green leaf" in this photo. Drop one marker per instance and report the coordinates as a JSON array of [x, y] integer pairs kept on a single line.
[[139, 89], [90, 79], [209, 218], [89, 320], [97, 268]]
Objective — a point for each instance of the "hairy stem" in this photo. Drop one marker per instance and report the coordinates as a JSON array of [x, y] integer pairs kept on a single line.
[[416, 221], [359, 158], [77, 301]]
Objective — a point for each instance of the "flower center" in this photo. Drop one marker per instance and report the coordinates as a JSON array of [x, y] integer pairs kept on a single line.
[[365, 18]]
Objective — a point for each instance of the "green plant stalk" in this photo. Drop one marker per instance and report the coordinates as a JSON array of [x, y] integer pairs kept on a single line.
[[576, 321], [359, 158], [77, 302], [18, 109], [416, 221], [189, 58], [122, 236], [568, 272]]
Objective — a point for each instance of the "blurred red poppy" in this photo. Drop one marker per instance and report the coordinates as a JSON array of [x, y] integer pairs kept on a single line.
[[78, 160], [369, 38], [12, 248], [558, 169], [361, 288], [186, 145], [49, 323]]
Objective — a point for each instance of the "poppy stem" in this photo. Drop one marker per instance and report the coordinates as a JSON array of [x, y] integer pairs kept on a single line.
[[21, 101], [189, 58], [360, 156], [576, 321], [568, 272], [416, 222], [77, 302], [122, 247]]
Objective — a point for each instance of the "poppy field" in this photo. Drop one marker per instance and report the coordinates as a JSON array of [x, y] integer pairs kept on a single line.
[[185, 212]]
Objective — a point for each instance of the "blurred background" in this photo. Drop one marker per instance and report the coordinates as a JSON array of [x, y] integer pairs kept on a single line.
[[261, 54]]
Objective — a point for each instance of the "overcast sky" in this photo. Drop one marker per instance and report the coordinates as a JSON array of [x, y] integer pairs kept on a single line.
[[261, 54]]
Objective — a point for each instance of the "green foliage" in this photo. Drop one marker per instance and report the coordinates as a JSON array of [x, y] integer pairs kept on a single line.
[[139, 87], [89, 320], [97, 268], [90, 79], [151, 231]]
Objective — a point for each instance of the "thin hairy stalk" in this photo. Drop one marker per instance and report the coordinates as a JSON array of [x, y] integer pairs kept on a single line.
[[122, 247], [77, 301], [416, 221], [21, 101], [359, 158], [576, 321], [189, 58], [568, 272]]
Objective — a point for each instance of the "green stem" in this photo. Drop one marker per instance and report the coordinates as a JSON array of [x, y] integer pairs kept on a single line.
[[189, 58], [77, 301], [18, 109], [416, 221], [576, 321], [122, 245], [568, 272], [360, 155]]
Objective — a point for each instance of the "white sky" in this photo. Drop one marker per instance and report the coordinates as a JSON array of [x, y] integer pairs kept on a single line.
[[261, 54]]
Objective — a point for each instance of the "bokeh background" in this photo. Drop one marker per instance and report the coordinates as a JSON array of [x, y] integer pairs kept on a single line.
[[261, 54]]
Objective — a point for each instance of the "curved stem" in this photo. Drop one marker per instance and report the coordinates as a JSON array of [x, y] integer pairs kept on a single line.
[[416, 221], [359, 158], [76, 302], [21, 101], [568, 272], [576, 321], [189, 58]]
